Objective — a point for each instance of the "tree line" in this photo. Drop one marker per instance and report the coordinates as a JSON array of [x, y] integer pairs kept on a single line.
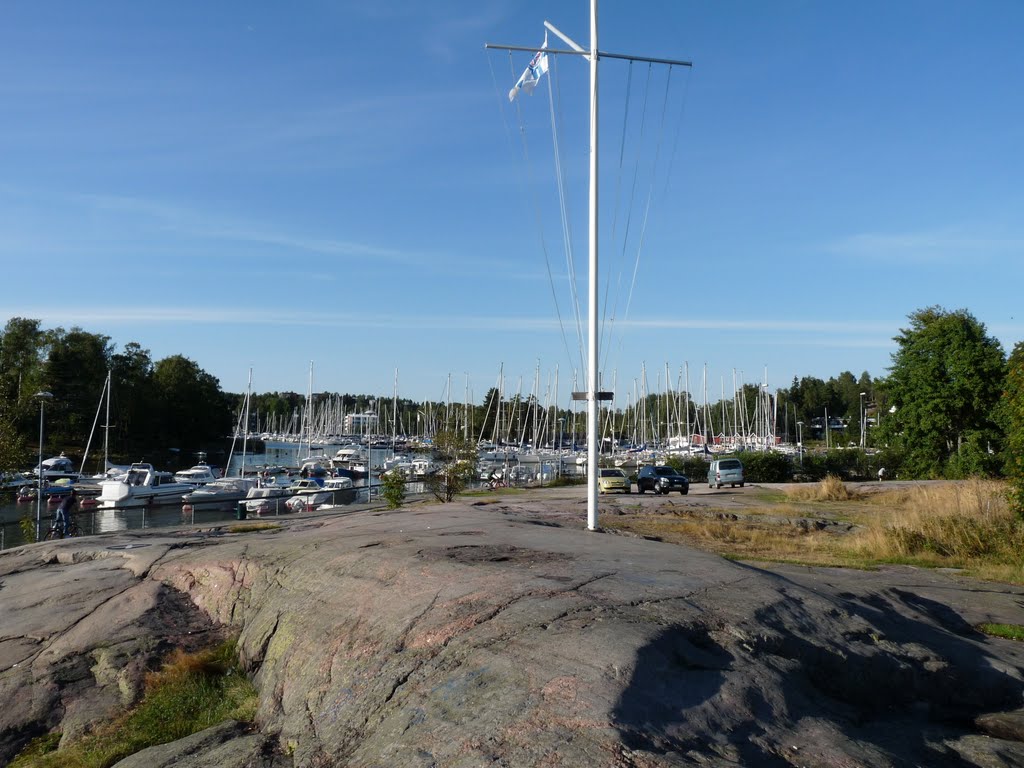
[[155, 406], [952, 404]]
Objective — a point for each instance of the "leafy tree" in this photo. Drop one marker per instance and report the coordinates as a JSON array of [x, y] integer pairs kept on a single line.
[[75, 372], [13, 449], [21, 353], [1013, 412], [492, 402], [945, 382], [458, 457], [132, 413], [193, 410]]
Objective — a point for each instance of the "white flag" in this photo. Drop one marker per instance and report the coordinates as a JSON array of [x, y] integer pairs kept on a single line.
[[531, 75]]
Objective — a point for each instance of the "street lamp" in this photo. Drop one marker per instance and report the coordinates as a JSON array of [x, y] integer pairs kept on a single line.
[[42, 397], [800, 440], [863, 423], [561, 426]]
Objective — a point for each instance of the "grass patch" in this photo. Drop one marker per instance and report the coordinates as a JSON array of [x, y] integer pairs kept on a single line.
[[1008, 631], [251, 527], [966, 525], [769, 495], [191, 692]]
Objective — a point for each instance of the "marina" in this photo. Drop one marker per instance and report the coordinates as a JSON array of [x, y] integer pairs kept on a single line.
[[276, 482]]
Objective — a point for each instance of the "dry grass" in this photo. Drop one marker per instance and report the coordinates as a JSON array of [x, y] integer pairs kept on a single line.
[[750, 538], [832, 488], [966, 525]]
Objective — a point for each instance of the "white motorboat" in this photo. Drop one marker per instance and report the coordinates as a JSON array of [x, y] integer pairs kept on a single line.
[[307, 493], [200, 474], [221, 489], [142, 485], [57, 468], [266, 499]]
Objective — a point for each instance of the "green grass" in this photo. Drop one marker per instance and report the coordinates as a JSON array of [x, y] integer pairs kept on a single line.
[[190, 693], [1008, 631], [769, 495]]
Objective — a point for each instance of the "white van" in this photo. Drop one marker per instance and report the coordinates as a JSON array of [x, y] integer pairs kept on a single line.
[[725, 472]]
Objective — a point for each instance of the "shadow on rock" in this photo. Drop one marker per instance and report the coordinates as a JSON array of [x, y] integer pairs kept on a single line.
[[884, 679]]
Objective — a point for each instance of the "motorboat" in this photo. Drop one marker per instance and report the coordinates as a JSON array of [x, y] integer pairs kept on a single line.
[[57, 468], [140, 486], [269, 498], [314, 466], [221, 489], [200, 474], [340, 491], [308, 493], [338, 484]]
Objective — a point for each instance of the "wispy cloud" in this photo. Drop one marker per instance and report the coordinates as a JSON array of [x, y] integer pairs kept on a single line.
[[189, 223], [941, 246], [836, 333]]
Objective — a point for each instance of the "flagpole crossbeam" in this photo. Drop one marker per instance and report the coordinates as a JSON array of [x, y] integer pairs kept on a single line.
[[586, 55], [529, 49]]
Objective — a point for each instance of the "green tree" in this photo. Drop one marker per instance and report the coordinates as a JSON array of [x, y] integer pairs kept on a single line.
[[1013, 417], [21, 354], [75, 372], [132, 401], [945, 383], [193, 410], [14, 453], [458, 463]]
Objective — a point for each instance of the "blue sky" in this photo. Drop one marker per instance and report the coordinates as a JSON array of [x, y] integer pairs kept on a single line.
[[261, 185]]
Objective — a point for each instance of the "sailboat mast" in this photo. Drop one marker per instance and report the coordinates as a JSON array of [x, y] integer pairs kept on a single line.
[[245, 424]]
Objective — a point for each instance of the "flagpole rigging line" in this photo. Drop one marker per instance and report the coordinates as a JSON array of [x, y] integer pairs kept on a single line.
[[566, 229], [632, 191], [536, 207]]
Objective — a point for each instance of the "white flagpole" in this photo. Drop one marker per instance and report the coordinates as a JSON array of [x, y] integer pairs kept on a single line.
[[592, 395], [592, 402]]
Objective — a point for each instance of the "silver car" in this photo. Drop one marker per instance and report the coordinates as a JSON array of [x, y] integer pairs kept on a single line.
[[725, 472]]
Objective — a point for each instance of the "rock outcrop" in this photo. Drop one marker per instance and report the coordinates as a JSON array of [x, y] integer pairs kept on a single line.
[[467, 635]]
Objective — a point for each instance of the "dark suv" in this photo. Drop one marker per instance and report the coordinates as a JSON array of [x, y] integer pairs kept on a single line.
[[661, 480]]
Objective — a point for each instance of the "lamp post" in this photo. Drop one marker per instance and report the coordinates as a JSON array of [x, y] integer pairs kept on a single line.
[[42, 397], [561, 426], [800, 440], [863, 423]]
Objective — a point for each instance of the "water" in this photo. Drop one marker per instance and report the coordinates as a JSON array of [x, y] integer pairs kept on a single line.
[[175, 513]]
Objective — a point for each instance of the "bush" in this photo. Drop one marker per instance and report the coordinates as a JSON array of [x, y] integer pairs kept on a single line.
[[392, 488], [766, 467], [694, 467], [844, 464]]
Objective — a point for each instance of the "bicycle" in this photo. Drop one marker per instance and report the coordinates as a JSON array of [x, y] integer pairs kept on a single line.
[[59, 531]]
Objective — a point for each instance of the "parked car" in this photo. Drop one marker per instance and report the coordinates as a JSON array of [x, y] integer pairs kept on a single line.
[[661, 480], [613, 480], [725, 472]]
